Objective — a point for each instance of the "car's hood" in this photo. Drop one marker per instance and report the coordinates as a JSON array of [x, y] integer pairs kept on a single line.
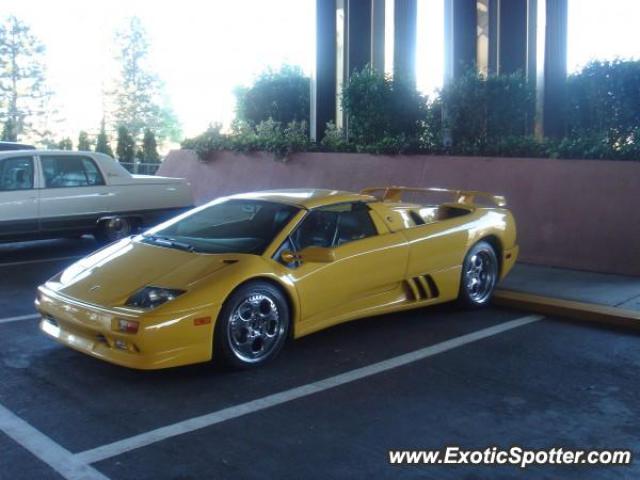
[[110, 276]]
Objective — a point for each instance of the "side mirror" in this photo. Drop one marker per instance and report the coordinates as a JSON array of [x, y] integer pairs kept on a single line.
[[317, 255], [287, 256]]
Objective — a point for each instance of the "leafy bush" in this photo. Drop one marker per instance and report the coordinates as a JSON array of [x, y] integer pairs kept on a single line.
[[599, 146], [267, 136], [490, 116], [481, 110], [604, 110], [149, 148], [281, 95], [334, 140], [211, 140], [383, 114]]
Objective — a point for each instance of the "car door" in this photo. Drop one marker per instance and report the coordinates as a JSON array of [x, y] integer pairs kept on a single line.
[[368, 264], [18, 197], [74, 194], [436, 254]]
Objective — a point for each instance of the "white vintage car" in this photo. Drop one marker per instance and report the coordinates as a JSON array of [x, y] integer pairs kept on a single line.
[[48, 193]]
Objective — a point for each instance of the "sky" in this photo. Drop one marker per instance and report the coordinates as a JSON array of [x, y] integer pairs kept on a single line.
[[602, 29], [202, 49]]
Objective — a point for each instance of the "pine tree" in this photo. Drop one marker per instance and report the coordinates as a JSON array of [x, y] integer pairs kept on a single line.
[[138, 98], [150, 148], [103, 145], [9, 131], [24, 97], [84, 145], [126, 147], [65, 144]]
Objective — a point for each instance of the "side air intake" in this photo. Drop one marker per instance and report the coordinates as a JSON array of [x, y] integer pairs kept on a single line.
[[421, 288]]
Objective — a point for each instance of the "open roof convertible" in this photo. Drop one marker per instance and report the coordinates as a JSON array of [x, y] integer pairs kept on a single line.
[[233, 279]]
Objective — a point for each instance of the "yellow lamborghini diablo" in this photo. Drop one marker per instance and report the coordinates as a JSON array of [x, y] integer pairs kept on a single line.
[[233, 279]]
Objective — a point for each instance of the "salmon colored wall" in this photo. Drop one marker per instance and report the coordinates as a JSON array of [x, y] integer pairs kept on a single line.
[[580, 214]]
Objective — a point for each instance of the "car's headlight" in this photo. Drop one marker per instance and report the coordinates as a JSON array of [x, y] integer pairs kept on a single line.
[[152, 297]]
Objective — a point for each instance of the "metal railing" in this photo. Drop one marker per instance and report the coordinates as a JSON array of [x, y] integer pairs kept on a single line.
[[141, 168]]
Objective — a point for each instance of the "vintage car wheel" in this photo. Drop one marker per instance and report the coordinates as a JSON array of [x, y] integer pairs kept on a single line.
[[252, 326], [479, 275], [113, 229]]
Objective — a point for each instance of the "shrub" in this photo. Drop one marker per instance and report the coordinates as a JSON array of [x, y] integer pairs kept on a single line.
[[281, 95], [599, 146], [126, 145], [604, 109], [382, 114], [334, 140], [150, 147], [431, 139], [65, 144], [482, 115], [84, 145], [103, 145], [268, 136], [272, 137], [209, 141], [481, 110], [296, 138]]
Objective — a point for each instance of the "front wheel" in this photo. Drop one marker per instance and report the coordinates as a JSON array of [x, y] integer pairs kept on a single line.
[[252, 326], [479, 275]]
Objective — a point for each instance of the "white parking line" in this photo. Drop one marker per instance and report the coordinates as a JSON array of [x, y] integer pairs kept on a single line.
[[186, 426], [41, 446], [31, 316], [41, 260]]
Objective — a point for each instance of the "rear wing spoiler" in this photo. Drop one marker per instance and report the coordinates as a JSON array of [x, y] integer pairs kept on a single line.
[[465, 197]]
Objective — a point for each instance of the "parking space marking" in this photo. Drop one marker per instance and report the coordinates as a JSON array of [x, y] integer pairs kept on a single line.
[[42, 447], [142, 440], [31, 316], [41, 260]]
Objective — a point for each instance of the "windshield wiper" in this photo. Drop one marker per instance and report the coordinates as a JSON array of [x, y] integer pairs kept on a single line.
[[170, 242]]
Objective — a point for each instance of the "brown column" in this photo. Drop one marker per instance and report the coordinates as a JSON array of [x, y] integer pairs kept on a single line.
[[323, 79]]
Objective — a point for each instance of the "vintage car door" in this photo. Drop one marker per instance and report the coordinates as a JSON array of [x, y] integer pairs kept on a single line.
[[18, 197], [368, 266], [74, 194]]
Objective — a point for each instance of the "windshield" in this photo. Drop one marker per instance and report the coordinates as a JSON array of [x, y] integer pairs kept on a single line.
[[230, 226]]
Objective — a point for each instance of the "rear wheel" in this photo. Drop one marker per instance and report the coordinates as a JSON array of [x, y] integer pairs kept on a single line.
[[114, 229], [252, 326], [479, 275]]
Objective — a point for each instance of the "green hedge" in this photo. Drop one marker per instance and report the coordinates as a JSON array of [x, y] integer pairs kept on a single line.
[[483, 111], [281, 95], [267, 136], [475, 115], [383, 114], [603, 111]]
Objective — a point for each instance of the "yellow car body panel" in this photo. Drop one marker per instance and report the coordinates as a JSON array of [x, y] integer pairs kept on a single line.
[[404, 266]]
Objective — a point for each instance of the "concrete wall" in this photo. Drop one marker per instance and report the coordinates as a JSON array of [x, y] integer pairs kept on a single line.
[[576, 214]]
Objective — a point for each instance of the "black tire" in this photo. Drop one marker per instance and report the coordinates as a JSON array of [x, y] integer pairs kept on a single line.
[[114, 229], [252, 327], [480, 271]]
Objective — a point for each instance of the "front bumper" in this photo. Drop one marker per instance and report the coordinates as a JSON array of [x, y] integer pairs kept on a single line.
[[163, 340]]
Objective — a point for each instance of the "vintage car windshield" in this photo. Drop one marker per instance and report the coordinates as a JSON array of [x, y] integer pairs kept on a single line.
[[230, 226]]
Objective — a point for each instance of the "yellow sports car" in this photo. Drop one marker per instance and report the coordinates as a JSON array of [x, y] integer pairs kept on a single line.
[[233, 279]]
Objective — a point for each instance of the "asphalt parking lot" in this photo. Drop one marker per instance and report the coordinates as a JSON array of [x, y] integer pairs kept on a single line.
[[331, 406]]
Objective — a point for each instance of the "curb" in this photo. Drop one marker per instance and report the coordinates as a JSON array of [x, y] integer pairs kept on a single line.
[[587, 312]]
